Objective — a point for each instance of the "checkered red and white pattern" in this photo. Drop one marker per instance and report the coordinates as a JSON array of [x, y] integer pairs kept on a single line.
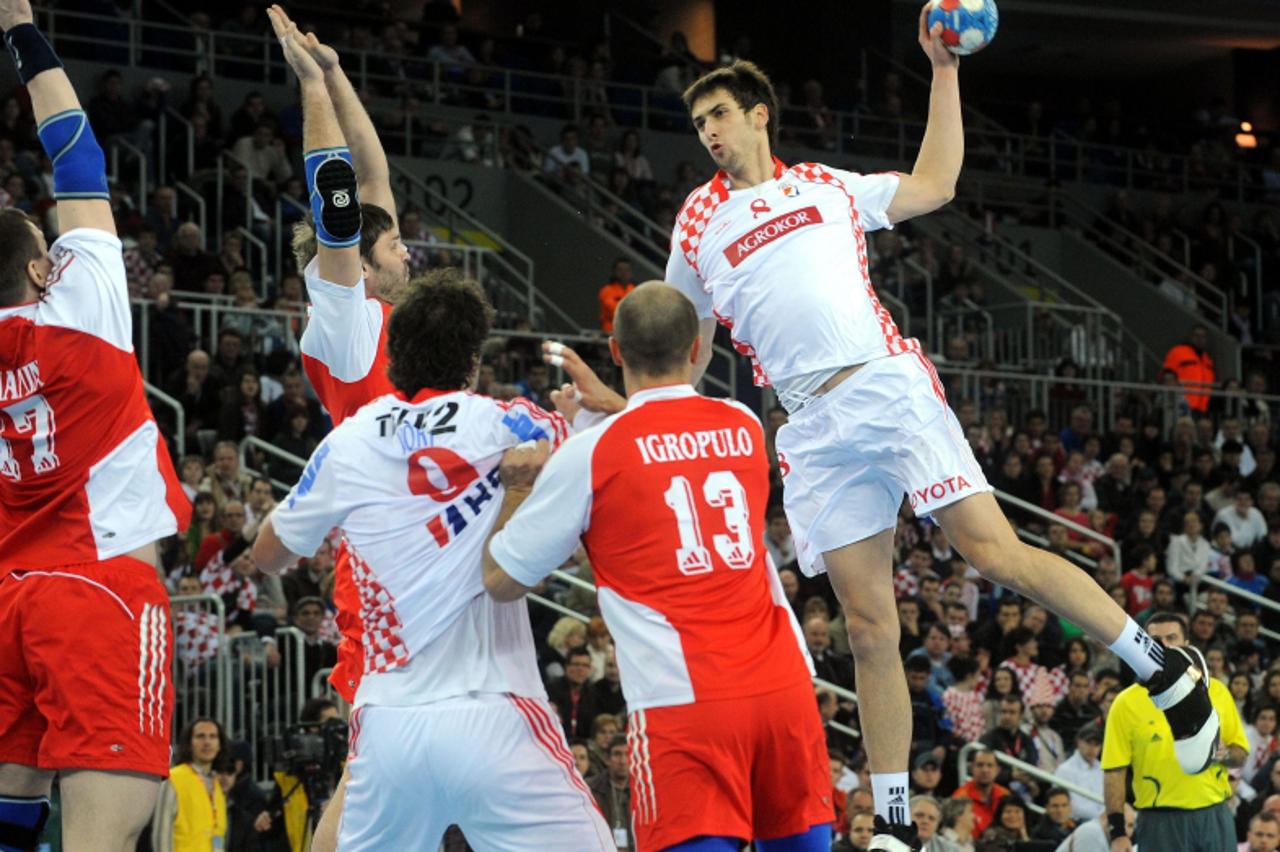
[[905, 583], [965, 710], [383, 648], [414, 485], [196, 638], [774, 264], [217, 578], [1035, 679]]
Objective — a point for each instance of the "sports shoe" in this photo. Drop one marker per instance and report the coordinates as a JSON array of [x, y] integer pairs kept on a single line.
[[1181, 690], [893, 838]]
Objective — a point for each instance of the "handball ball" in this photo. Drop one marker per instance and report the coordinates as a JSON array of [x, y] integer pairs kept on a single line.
[[967, 25]]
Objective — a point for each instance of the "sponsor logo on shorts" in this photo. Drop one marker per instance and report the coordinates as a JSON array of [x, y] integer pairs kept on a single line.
[[938, 490], [761, 235]]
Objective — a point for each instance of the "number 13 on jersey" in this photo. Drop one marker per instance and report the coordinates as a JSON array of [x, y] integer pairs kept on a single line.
[[721, 490]]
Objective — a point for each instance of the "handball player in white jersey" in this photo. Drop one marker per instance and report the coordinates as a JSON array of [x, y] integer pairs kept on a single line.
[[778, 254], [451, 721], [450, 716]]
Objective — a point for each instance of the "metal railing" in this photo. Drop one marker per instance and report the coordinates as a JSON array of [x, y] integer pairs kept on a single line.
[[1244, 594], [271, 450], [167, 115], [1055, 156], [1052, 518], [463, 228], [201, 205], [1071, 555], [1022, 765], [320, 686], [1018, 393], [264, 698], [139, 158], [179, 415], [200, 669]]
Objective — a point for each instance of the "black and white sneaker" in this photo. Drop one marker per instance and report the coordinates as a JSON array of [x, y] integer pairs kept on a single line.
[[1181, 690], [893, 837]]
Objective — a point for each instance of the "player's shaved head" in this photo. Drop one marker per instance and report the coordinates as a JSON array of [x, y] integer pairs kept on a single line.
[[655, 327]]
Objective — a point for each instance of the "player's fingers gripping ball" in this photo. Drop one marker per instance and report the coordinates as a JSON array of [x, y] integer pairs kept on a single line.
[[967, 25]]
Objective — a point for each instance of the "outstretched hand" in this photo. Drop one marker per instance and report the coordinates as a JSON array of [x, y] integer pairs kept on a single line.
[[592, 393], [931, 42], [294, 44], [324, 55]]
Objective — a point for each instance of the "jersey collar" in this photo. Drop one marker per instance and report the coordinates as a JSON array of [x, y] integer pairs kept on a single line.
[[423, 395], [724, 186], [659, 393]]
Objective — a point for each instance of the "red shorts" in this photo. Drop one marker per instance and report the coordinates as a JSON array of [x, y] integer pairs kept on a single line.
[[754, 768], [85, 671]]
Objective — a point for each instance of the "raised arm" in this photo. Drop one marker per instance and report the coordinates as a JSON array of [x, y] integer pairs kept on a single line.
[[79, 167], [331, 176], [373, 173], [932, 182]]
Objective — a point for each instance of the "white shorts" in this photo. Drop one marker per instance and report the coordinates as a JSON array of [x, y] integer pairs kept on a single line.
[[849, 456], [496, 765]]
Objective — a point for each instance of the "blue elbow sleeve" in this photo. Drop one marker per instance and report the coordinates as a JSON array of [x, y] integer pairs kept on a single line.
[[335, 205], [79, 167]]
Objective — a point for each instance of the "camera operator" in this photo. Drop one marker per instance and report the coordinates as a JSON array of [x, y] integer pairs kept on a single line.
[[311, 761], [248, 817]]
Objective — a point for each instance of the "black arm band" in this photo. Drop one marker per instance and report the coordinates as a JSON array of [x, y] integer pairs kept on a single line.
[[32, 54], [1116, 827]]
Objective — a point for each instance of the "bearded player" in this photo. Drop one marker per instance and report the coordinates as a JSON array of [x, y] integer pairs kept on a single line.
[[778, 255], [86, 489], [344, 344]]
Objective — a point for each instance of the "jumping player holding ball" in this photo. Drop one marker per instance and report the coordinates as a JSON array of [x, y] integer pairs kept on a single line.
[[778, 254]]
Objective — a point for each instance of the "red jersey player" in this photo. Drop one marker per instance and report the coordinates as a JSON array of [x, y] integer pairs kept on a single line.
[[668, 498], [344, 344], [86, 489]]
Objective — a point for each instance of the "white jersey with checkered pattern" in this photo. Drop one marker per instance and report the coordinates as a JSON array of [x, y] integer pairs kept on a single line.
[[784, 266], [414, 485]]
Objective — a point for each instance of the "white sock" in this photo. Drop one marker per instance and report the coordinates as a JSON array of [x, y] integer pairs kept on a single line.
[[1143, 654], [890, 792]]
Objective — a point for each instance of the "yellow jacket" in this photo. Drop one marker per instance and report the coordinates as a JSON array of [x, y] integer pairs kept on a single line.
[[201, 821]]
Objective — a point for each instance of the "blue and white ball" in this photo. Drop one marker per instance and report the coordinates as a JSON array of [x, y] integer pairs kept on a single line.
[[967, 25]]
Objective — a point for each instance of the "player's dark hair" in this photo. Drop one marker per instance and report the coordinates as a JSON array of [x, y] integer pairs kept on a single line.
[[1173, 618], [20, 248], [185, 752], [655, 326], [374, 222], [434, 336], [748, 86], [1019, 636]]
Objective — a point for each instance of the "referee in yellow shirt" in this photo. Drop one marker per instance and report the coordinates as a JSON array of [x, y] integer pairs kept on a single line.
[[1176, 812]]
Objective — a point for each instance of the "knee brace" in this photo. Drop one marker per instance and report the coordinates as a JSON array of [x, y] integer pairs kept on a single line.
[[79, 167], [21, 821], [335, 205]]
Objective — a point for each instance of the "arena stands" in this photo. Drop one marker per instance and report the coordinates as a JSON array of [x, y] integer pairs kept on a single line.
[[1169, 496]]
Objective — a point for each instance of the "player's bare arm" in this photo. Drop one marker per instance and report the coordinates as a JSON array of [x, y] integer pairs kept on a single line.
[[269, 552], [932, 182], [331, 176], [518, 470], [707, 336], [372, 172], [79, 167]]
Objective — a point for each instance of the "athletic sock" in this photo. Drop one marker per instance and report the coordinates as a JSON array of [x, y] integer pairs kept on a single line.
[[1143, 654], [890, 792]]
